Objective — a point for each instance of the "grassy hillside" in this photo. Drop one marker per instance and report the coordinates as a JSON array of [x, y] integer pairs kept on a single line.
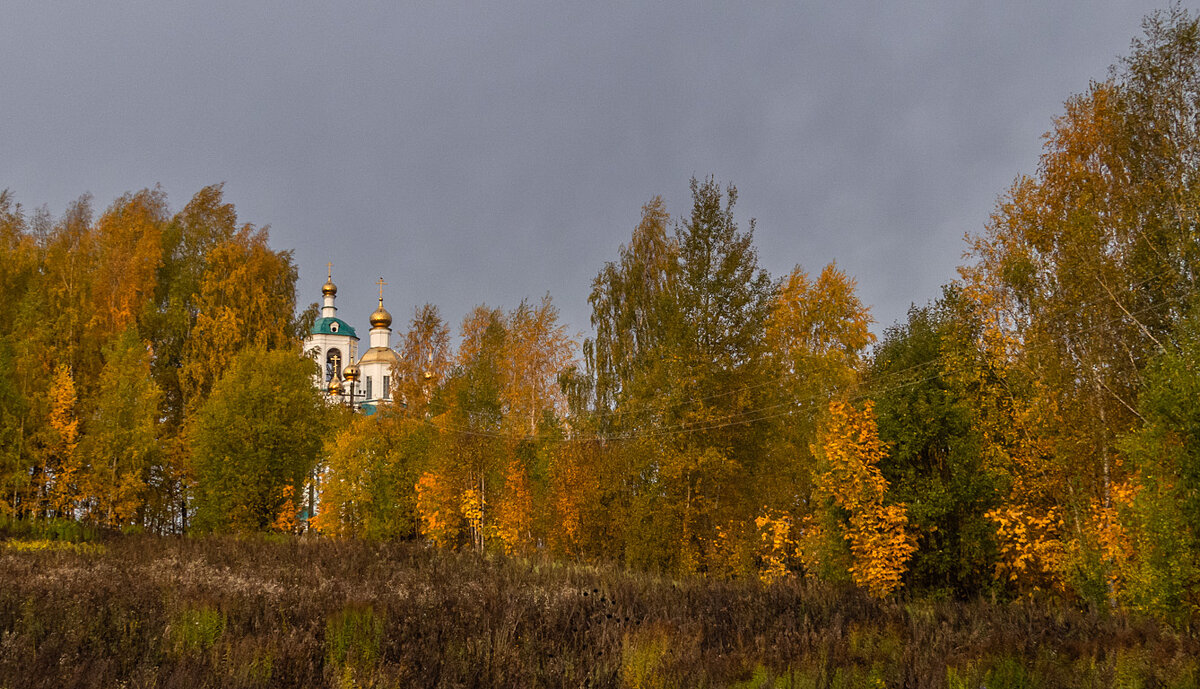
[[160, 612]]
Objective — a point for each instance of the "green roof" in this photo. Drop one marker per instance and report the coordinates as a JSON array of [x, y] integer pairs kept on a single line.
[[323, 326]]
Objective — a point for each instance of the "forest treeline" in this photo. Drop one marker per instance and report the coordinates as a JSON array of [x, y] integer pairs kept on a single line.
[[1035, 427]]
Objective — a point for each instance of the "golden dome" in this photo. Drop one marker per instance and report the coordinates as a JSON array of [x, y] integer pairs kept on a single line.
[[335, 386], [381, 318], [351, 372], [385, 355], [329, 289]]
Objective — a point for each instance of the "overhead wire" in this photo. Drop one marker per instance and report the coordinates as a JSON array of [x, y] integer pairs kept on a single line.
[[755, 415]]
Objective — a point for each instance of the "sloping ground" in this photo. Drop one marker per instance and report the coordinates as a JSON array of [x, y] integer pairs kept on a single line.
[[156, 612]]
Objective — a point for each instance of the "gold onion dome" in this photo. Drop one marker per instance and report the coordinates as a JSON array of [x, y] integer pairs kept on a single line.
[[335, 386], [351, 372], [381, 318], [329, 289]]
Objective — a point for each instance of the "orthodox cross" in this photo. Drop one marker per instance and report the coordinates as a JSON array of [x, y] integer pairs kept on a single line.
[[381, 283], [330, 267]]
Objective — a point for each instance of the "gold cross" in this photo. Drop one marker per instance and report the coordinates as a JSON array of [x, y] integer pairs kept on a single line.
[[330, 267], [381, 283]]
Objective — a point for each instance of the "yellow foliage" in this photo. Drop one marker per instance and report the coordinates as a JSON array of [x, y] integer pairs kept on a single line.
[[64, 471], [471, 504], [777, 545], [514, 515], [1031, 551], [1114, 540], [46, 545], [879, 543], [880, 547]]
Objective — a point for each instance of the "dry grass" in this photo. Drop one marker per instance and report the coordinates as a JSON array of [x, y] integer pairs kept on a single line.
[[223, 612]]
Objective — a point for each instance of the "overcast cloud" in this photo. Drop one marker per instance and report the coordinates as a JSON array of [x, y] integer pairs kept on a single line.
[[486, 152]]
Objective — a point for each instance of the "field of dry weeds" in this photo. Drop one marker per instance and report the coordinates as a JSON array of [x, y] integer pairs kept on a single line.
[[144, 611]]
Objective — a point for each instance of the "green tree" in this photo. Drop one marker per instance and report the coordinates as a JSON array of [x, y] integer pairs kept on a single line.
[[935, 463], [257, 435], [1165, 576], [678, 355]]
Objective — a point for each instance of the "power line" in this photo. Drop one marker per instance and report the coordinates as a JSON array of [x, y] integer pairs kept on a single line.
[[791, 406]]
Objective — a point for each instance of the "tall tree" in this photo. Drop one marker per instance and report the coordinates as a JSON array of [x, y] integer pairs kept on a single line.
[[187, 241], [816, 335], [678, 354], [18, 267], [425, 360], [1079, 279], [128, 248], [247, 299], [536, 351]]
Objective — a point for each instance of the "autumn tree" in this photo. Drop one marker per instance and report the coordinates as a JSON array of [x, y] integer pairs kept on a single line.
[[468, 459], [425, 360], [247, 298], [120, 441], [18, 266], [816, 336], [536, 350], [61, 473], [128, 253], [188, 238], [1079, 279], [850, 481], [370, 474]]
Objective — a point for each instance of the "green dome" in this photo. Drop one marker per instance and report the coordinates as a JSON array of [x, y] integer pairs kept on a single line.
[[333, 326]]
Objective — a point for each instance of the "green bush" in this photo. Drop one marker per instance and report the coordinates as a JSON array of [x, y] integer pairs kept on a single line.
[[352, 640], [195, 629]]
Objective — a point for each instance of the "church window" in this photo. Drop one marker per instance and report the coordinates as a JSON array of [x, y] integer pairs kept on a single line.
[[333, 364], [333, 327], [369, 388], [387, 390]]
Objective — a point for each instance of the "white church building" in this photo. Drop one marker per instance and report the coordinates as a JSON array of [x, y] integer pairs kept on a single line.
[[363, 382]]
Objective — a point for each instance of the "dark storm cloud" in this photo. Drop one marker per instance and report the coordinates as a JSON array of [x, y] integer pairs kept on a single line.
[[490, 152]]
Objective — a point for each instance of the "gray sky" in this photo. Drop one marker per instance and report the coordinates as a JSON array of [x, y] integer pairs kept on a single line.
[[485, 152]]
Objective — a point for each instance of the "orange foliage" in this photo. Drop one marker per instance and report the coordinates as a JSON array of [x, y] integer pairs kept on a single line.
[[285, 521], [441, 521], [129, 246]]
